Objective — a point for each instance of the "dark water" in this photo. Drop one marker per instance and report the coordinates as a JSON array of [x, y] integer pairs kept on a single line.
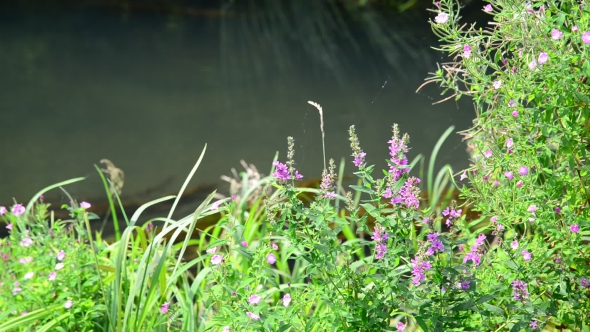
[[148, 89]]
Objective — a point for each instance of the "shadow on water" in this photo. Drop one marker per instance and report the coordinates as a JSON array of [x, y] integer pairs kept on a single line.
[[148, 88]]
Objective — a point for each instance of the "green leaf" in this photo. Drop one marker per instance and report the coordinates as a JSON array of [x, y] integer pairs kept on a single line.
[[371, 209], [363, 189], [485, 298], [494, 309]]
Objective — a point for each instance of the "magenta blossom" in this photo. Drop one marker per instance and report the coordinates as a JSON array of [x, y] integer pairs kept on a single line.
[[509, 175], [466, 51], [575, 228], [487, 8], [523, 170], [2, 210], [164, 308], [526, 255], [556, 34], [85, 205], [271, 259], [543, 58], [253, 315], [586, 38], [254, 299]]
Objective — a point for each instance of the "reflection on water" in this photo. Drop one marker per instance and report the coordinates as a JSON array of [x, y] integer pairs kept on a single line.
[[148, 90]]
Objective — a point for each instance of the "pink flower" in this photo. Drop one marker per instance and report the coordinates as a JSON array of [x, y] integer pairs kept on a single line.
[[401, 327], [519, 183], [29, 275], [496, 183], [25, 260], [254, 299], [244, 243], [26, 242], [274, 246], [509, 143], [523, 170], [512, 103], [2, 210], [514, 245], [216, 259], [59, 266], [586, 38], [253, 315], [68, 304], [271, 259], [164, 308], [556, 34], [575, 228], [466, 51], [215, 206], [497, 84], [61, 255], [441, 18], [330, 195], [18, 210], [52, 276], [532, 64], [532, 209], [575, 28], [488, 153], [286, 300], [225, 329], [211, 250], [16, 290], [509, 175], [526, 255], [463, 176], [85, 205], [487, 8], [514, 113], [543, 58]]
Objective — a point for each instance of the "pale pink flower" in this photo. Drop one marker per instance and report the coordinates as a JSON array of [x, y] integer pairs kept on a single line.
[[526, 255], [532, 64], [523, 170], [574, 228], [556, 34], [286, 299], [18, 210], [16, 290], [85, 205], [463, 176], [216, 259], [441, 18], [509, 143], [271, 259], [61, 255], [29, 275], [2, 210], [488, 153], [575, 28], [9, 226], [543, 58], [68, 304], [466, 51], [274, 246], [254, 299], [164, 307], [211, 250], [586, 38], [532, 209], [225, 329], [253, 315], [497, 84], [401, 327], [52, 276], [514, 245], [215, 205], [487, 8], [509, 175], [26, 242], [25, 260], [59, 266]]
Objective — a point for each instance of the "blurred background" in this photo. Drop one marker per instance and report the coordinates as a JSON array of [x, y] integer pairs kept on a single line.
[[147, 83]]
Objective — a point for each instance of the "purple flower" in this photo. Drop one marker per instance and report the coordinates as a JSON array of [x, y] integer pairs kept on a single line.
[[254, 299], [286, 300], [419, 267], [526, 255], [523, 170], [509, 175], [380, 250], [574, 228], [281, 172], [465, 284], [533, 325], [557, 210], [164, 307], [271, 259], [519, 290], [586, 38], [441, 18], [487, 8], [253, 315], [397, 153], [585, 282], [401, 327], [358, 161], [543, 58], [556, 34], [18, 210], [330, 195], [379, 234]]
